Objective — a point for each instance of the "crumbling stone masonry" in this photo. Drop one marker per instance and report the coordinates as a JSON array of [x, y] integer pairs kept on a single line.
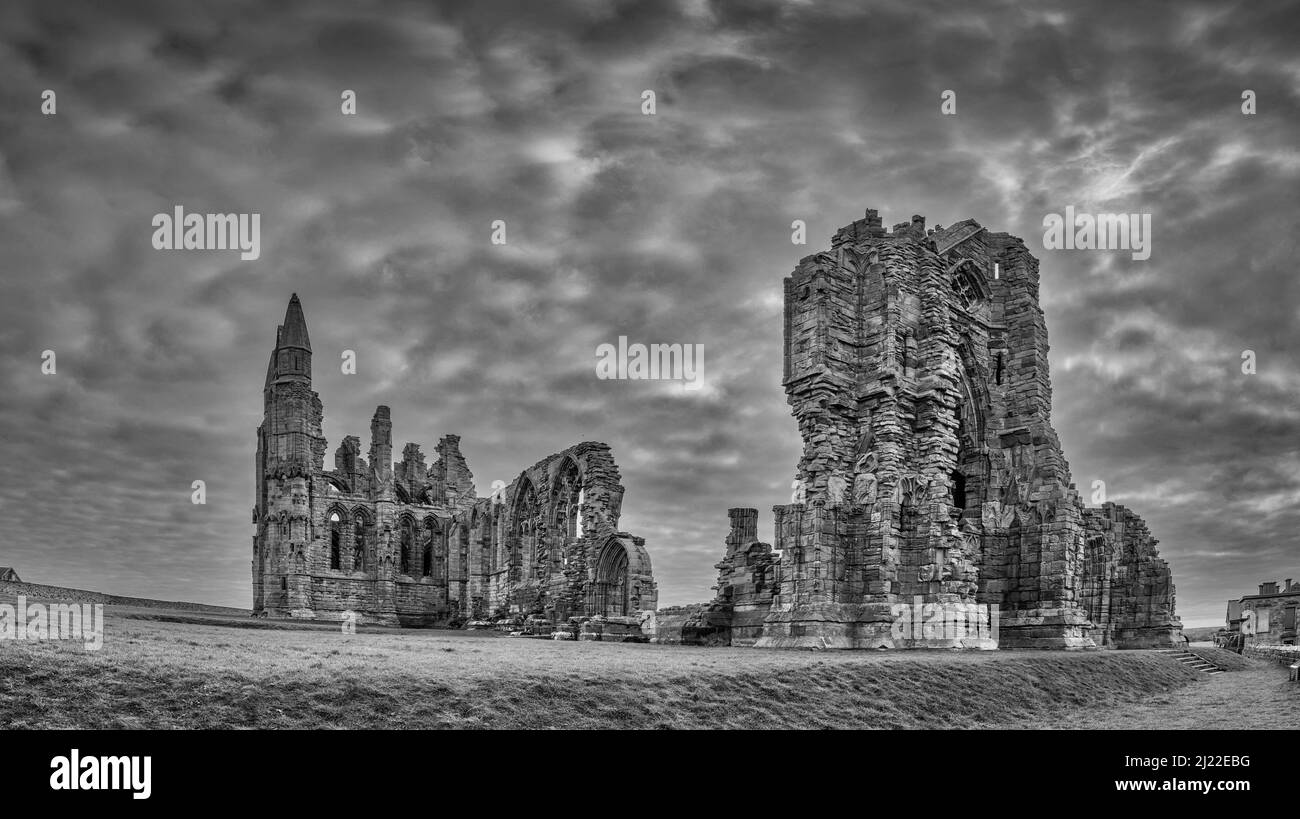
[[916, 367], [413, 545]]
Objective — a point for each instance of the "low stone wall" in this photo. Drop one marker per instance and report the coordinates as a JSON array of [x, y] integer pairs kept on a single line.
[[38, 591], [638, 628], [697, 624], [1278, 653], [612, 630], [668, 623]]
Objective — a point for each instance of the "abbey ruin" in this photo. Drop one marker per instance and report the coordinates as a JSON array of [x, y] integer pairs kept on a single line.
[[931, 478], [932, 490], [412, 544]]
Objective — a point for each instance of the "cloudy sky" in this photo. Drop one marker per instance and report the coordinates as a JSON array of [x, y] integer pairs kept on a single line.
[[672, 228]]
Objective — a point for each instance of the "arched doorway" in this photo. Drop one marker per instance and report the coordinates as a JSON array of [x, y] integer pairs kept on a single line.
[[611, 586]]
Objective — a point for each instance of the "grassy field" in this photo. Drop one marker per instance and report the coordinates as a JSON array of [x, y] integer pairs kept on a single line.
[[1259, 697], [182, 670]]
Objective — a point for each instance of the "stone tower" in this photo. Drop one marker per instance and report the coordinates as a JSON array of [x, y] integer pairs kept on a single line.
[[290, 452], [931, 478]]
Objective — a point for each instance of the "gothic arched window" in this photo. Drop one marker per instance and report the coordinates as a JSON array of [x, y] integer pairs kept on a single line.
[[430, 537], [566, 502], [336, 540], [577, 513], [407, 539], [966, 284], [522, 529], [359, 544]]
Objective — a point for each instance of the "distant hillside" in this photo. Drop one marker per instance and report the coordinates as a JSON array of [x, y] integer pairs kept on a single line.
[[37, 591], [1203, 634]]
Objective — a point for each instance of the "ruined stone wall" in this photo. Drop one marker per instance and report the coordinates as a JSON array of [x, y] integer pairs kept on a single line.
[[451, 474], [670, 621], [916, 369], [1128, 591], [545, 545], [411, 544], [748, 579]]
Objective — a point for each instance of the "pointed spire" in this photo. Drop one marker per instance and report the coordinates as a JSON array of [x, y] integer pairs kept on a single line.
[[295, 327], [291, 360]]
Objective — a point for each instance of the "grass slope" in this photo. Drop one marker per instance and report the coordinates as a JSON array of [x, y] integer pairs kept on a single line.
[[1224, 659], [195, 674]]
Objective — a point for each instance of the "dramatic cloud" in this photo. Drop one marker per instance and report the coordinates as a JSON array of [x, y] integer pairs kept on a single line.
[[671, 228]]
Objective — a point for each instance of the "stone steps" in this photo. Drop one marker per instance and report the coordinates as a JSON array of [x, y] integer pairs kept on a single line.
[[1192, 661]]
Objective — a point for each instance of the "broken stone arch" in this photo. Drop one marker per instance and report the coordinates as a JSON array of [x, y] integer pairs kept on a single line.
[[521, 526], [338, 483], [566, 499]]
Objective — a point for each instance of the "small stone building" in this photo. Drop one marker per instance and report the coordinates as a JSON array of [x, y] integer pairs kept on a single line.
[[412, 544], [1268, 617], [8, 575]]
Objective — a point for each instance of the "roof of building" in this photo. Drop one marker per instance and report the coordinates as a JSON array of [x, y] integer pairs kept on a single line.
[[1294, 592], [295, 327]]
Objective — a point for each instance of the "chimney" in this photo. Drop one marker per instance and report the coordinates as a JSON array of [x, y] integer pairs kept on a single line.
[[1288, 584]]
